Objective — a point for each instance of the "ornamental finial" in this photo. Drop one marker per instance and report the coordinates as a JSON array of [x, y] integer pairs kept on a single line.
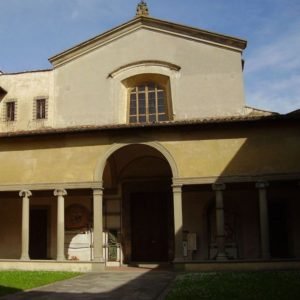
[[142, 9]]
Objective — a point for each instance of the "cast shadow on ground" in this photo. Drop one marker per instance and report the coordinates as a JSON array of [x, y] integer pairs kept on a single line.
[[121, 285]]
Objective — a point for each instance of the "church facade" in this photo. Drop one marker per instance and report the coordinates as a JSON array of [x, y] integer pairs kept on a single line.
[[137, 147]]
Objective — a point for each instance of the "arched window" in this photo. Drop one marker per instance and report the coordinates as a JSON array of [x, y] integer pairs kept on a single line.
[[147, 103]]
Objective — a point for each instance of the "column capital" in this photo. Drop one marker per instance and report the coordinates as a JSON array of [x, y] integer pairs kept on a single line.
[[25, 193], [177, 188], [60, 192], [97, 185], [98, 191], [261, 184], [218, 186]]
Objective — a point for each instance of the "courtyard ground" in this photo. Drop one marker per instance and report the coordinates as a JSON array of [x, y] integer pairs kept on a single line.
[[16, 281], [268, 285]]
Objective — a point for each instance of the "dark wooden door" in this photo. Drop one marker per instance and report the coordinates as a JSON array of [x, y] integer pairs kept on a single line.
[[149, 227], [38, 233], [278, 230]]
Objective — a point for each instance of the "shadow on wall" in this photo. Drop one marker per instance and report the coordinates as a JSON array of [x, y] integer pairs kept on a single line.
[[271, 148], [269, 152], [244, 152], [149, 284]]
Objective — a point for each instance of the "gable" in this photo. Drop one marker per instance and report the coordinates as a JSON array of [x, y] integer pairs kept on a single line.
[[182, 31], [205, 79]]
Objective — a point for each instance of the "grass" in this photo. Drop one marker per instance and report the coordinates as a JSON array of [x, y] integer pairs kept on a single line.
[[15, 281], [275, 285]]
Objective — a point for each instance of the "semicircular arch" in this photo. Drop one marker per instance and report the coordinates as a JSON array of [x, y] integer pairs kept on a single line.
[[99, 170]]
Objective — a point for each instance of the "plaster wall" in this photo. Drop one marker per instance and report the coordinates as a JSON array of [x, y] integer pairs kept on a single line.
[[11, 221], [10, 227], [209, 83], [242, 203], [197, 153], [25, 88]]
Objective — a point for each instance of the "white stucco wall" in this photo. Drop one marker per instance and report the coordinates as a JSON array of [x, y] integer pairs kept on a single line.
[[209, 82], [25, 88]]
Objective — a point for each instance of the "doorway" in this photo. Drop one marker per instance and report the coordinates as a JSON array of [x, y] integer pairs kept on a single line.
[[38, 233], [149, 227], [279, 244]]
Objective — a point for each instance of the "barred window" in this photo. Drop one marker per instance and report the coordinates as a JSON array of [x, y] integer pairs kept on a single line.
[[40, 109], [10, 111], [147, 103]]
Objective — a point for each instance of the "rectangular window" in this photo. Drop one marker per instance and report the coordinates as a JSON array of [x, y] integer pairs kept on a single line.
[[10, 111], [147, 104], [40, 109]]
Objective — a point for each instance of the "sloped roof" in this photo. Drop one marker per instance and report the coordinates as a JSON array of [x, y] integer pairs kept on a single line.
[[252, 111], [167, 124], [153, 24]]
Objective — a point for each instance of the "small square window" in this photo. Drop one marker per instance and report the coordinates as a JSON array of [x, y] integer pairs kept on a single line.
[[40, 109], [10, 111]]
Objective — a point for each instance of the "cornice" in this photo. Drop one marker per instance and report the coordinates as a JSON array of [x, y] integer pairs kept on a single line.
[[178, 182], [51, 186], [144, 63], [235, 179]]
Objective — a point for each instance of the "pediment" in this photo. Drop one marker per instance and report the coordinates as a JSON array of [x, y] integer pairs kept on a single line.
[[153, 24]]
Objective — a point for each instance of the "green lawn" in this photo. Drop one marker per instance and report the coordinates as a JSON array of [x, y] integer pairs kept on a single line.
[[277, 285], [15, 281]]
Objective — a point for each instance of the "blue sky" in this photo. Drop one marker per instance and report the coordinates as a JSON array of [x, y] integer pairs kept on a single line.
[[31, 31]]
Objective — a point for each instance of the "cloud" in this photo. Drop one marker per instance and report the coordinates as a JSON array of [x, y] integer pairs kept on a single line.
[[272, 71], [282, 95], [282, 53], [75, 14]]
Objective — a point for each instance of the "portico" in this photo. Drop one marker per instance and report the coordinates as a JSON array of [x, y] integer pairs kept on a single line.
[[230, 216]]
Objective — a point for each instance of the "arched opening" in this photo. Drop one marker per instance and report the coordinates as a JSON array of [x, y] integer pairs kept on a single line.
[[138, 209]]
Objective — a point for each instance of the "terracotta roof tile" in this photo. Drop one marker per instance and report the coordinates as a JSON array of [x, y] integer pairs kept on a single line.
[[193, 122]]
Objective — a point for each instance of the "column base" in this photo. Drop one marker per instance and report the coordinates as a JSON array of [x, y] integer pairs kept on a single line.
[[222, 256], [25, 258], [98, 259], [178, 259], [60, 258], [266, 256]]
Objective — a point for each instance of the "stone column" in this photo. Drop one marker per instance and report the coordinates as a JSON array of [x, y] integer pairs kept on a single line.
[[178, 221], [60, 253], [98, 224], [264, 219], [220, 221], [25, 223]]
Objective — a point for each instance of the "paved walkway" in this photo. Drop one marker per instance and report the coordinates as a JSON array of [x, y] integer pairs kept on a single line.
[[107, 285]]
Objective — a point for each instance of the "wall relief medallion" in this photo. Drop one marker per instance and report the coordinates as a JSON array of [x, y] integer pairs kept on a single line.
[[77, 217]]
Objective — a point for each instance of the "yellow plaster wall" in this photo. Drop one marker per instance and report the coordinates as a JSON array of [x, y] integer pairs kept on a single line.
[[248, 151], [241, 202], [197, 153], [49, 160], [10, 227], [11, 220]]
